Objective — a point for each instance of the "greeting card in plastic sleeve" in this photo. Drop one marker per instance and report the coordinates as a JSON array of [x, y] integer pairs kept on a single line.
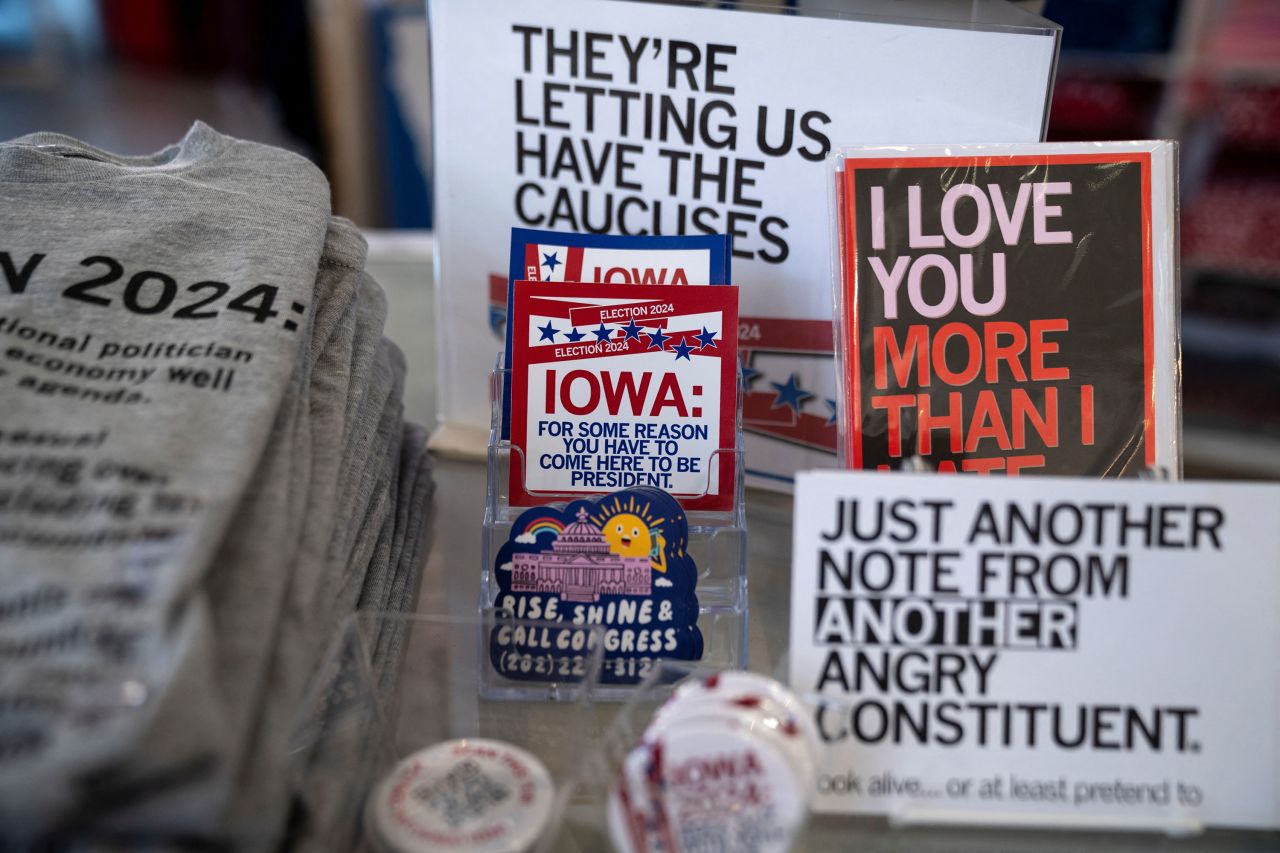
[[1008, 308]]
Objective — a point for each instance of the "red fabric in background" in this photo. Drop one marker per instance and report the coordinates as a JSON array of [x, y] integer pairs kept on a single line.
[[142, 31]]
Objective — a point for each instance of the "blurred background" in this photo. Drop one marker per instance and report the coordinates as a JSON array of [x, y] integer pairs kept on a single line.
[[346, 83]]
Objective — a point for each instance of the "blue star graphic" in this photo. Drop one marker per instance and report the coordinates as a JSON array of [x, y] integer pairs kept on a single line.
[[632, 330], [747, 373], [682, 350], [657, 340], [706, 339], [548, 333], [602, 334], [789, 394], [574, 335], [831, 404], [550, 261]]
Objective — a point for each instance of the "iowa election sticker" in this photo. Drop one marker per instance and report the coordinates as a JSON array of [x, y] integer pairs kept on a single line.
[[607, 259], [619, 562], [1010, 309], [616, 387]]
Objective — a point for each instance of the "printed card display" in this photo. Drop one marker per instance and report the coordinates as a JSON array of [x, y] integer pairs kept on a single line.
[[615, 386], [618, 562], [1041, 650], [1010, 308], [602, 259], [660, 118]]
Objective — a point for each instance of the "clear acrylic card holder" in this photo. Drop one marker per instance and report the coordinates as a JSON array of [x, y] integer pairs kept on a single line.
[[717, 543]]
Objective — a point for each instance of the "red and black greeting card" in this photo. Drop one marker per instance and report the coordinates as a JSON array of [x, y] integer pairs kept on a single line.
[[1009, 308]]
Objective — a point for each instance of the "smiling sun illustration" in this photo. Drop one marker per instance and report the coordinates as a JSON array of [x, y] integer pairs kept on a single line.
[[632, 530], [627, 535]]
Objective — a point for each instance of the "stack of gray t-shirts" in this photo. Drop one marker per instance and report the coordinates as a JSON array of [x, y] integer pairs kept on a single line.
[[203, 470]]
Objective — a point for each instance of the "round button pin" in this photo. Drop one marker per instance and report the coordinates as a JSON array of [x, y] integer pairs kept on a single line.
[[472, 794]]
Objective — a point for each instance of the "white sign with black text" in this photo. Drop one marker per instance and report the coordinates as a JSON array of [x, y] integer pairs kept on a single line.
[[1041, 650], [644, 119]]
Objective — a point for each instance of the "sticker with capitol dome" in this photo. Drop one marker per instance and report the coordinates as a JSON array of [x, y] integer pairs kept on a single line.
[[618, 562]]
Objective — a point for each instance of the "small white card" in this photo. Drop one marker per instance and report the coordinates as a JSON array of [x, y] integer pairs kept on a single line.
[[1043, 651]]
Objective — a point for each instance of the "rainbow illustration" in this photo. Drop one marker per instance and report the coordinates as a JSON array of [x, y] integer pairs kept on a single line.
[[542, 525]]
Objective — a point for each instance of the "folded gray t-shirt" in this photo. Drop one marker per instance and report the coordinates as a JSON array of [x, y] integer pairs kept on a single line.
[[202, 470], [154, 312]]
